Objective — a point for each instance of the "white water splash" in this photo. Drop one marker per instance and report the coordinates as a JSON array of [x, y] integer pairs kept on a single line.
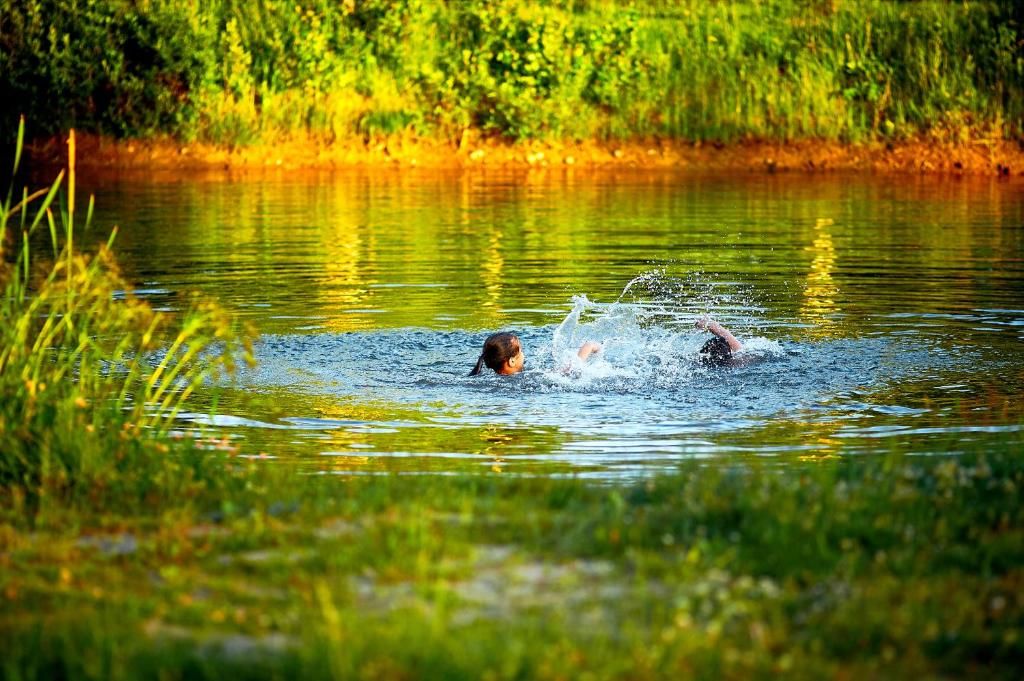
[[648, 342]]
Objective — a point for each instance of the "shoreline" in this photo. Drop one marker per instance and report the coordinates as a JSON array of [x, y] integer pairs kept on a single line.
[[96, 153]]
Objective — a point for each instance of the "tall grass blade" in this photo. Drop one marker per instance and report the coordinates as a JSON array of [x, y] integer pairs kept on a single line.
[[18, 146], [89, 212], [14, 170], [71, 200], [55, 243], [51, 194]]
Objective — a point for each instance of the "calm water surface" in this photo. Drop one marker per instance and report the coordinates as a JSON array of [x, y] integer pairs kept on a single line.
[[878, 313]]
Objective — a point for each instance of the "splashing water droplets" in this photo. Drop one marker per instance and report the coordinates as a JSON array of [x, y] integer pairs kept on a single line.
[[647, 335]]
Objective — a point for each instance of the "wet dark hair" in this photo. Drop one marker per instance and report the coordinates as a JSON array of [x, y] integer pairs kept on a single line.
[[498, 349], [716, 351]]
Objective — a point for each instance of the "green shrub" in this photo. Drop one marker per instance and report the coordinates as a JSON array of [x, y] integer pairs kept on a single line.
[[235, 71], [107, 65]]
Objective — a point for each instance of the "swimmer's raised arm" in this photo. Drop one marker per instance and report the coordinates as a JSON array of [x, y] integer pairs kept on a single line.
[[588, 349], [714, 327]]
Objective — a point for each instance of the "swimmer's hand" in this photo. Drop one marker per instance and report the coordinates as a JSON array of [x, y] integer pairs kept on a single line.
[[587, 349]]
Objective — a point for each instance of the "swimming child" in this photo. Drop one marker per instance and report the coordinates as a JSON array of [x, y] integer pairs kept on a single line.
[[717, 350], [503, 353]]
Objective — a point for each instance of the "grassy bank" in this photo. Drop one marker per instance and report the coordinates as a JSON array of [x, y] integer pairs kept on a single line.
[[239, 73], [894, 568]]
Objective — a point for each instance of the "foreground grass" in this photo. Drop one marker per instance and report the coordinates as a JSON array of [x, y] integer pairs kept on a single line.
[[895, 567], [91, 378]]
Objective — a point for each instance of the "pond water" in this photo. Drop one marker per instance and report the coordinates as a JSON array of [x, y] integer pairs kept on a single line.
[[878, 312]]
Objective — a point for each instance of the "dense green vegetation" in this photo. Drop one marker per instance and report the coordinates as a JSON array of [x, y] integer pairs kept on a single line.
[[236, 72]]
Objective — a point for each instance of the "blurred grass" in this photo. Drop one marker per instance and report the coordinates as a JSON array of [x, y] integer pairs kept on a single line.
[[236, 72], [888, 567]]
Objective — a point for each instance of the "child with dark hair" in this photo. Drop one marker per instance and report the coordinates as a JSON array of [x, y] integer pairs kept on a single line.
[[717, 350], [504, 354]]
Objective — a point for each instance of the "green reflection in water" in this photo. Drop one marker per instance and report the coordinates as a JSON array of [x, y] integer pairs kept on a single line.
[[804, 259], [380, 250]]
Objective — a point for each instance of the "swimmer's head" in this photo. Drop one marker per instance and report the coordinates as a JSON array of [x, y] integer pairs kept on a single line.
[[503, 353], [715, 352]]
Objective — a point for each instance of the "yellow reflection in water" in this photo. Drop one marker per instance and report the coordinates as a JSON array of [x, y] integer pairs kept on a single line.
[[819, 306], [497, 441], [349, 254], [819, 440], [492, 269], [344, 253]]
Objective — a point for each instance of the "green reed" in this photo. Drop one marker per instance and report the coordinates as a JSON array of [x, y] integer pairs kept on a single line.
[[91, 377], [841, 71]]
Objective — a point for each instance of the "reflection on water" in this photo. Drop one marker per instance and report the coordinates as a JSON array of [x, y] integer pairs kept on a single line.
[[880, 312], [819, 308]]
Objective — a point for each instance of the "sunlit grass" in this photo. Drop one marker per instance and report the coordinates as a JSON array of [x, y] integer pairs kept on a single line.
[[771, 69], [90, 376], [241, 73]]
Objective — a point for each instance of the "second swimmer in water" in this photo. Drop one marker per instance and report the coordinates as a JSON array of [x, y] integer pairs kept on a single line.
[[503, 353], [717, 350]]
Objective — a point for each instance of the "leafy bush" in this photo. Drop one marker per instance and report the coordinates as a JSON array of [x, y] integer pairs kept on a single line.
[[524, 70], [236, 71], [108, 65]]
